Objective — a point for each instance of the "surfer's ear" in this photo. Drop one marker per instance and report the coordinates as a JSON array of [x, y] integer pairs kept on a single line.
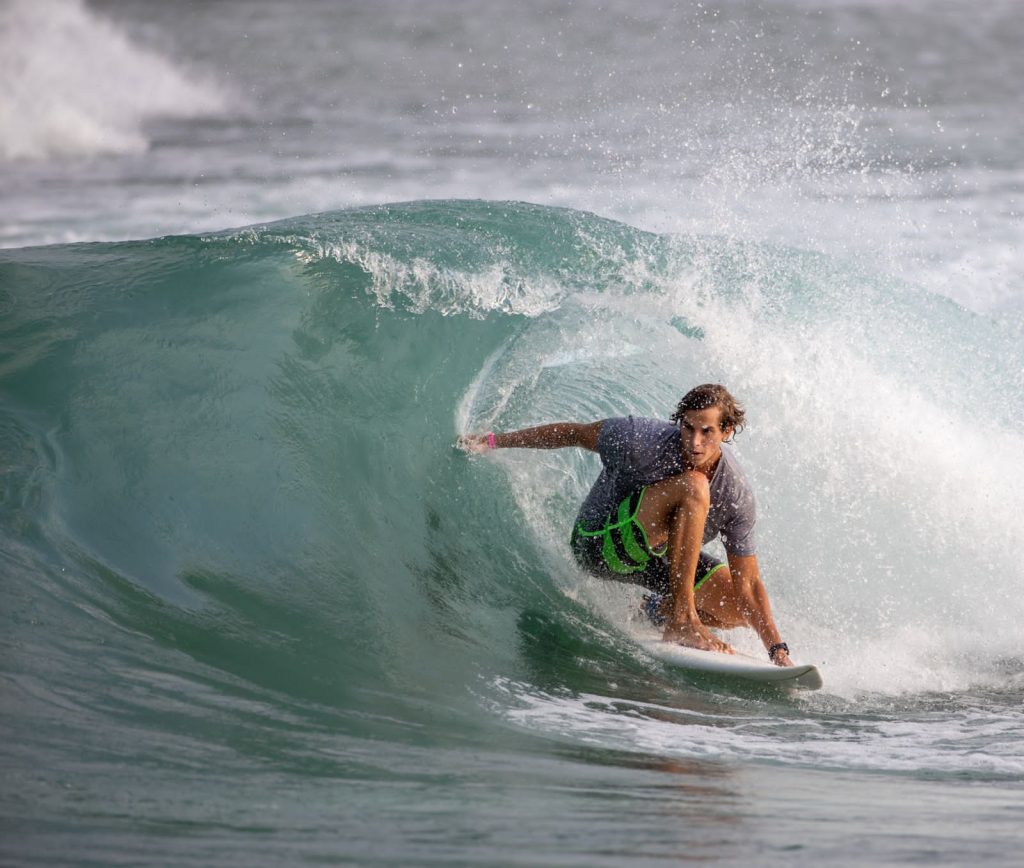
[[728, 432]]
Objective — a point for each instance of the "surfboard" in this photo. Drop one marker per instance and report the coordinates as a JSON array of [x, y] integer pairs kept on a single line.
[[741, 666]]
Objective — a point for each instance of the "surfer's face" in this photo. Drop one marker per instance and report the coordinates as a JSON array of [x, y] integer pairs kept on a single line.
[[701, 436]]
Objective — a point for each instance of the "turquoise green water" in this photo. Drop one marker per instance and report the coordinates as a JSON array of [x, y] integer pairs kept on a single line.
[[256, 609]]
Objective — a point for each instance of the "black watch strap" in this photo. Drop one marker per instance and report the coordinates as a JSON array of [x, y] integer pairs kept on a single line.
[[778, 646]]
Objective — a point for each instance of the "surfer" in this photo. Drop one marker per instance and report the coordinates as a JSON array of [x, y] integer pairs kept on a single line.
[[666, 489]]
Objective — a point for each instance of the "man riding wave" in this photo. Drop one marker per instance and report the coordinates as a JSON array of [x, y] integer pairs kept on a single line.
[[665, 490]]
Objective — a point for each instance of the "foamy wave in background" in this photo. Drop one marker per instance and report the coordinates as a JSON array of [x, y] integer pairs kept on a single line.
[[76, 85], [878, 134]]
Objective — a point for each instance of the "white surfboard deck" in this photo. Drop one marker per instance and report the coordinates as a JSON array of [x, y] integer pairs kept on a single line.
[[743, 666]]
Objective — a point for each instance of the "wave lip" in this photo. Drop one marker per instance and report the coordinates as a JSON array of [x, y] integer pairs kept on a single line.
[[76, 85]]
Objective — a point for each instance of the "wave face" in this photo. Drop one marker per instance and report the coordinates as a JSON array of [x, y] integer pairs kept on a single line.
[[235, 532]]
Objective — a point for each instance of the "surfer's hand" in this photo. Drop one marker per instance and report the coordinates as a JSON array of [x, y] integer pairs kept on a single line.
[[474, 443], [781, 658], [695, 636]]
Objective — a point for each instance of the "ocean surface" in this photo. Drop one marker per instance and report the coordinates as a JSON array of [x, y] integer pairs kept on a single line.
[[262, 262]]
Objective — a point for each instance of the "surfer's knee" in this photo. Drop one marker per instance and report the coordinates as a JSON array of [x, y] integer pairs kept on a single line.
[[692, 490], [728, 595], [721, 601]]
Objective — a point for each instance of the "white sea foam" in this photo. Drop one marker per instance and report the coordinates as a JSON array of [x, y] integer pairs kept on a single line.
[[425, 285], [943, 742], [75, 84]]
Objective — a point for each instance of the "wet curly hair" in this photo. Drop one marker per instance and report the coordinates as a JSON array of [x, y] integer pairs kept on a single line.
[[713, 395]]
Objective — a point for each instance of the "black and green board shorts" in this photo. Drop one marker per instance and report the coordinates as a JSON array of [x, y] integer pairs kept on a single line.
[[619, 551]]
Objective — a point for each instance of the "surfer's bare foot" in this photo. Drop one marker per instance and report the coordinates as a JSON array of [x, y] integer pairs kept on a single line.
[[695, 636]]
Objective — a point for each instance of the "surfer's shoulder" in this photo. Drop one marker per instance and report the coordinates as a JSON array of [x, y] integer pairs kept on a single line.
[[732, 470]]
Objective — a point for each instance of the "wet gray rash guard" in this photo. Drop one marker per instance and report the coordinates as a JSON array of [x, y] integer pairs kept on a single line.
[[636, 452]]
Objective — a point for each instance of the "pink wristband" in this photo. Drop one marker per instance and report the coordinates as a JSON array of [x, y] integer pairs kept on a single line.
[[491, 442]]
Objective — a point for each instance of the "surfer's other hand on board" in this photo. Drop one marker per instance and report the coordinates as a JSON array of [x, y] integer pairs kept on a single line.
[[781, 658], [695, 635]]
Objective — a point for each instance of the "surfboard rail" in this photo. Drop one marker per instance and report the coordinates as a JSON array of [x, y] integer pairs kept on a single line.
[[804, 676]]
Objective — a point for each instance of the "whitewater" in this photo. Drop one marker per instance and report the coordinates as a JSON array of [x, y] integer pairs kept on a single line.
[[261, 265]]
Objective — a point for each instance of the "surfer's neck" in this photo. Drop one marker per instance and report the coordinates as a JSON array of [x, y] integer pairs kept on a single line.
[[708, 469]]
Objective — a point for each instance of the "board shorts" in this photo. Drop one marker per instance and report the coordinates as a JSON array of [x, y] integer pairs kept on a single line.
[[619, 551]]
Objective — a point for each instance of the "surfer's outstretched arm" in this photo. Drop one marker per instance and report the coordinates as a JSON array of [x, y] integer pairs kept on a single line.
[[557, 435]]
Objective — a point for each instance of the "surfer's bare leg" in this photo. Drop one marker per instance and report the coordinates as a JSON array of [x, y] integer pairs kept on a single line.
[[735, 596], [675, 510]]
